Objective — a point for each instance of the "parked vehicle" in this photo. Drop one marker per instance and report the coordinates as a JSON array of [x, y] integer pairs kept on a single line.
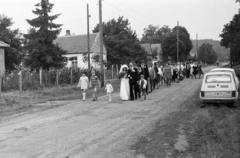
[[219, 87], [228, 70]]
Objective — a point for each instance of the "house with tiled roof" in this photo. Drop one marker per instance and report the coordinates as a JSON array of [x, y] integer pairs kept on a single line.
[[151, 49], [77, 47], [157, 48], [148, 49]]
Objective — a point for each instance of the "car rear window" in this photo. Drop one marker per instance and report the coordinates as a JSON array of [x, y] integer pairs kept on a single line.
[[218, 78]]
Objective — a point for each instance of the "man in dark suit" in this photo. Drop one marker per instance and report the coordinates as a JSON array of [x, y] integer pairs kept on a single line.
[[133, 80]]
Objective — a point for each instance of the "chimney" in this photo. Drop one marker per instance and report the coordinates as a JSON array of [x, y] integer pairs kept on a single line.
[[68, 33]]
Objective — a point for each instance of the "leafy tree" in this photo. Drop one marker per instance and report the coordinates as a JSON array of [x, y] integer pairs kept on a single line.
[[206, 54], [13, 54], [169, 44], [154, 34], [231, 37], [121, 42], [41, 52]]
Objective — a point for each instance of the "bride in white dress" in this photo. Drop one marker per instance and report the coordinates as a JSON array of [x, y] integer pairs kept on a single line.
[[124, 85]]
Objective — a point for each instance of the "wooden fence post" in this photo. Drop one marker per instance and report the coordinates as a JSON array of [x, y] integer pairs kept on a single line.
[[117, 69], [71, 75], [112, 72], [57, 78], [40, 76], [20, 80]]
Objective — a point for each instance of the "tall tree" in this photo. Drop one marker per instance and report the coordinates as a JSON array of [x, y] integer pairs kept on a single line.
[[231, 37], [169, 44], [41, 52], [13, 54], [154, 34], [206, 54], [121, 42]]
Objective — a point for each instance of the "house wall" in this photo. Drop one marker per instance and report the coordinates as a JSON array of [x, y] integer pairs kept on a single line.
[[80, 62]]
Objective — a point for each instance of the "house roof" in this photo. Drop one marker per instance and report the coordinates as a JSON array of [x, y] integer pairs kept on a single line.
[[157, 47], [2, 44], [77, 44], [147, 47]]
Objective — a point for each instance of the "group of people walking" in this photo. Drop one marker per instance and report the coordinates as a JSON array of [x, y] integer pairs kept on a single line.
[[139, 80]]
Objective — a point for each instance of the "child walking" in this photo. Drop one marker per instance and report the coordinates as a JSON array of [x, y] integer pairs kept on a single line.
[[83, 84], [142, 86], [109, 90], [94, 84]]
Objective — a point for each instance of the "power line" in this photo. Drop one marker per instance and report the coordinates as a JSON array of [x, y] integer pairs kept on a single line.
[[128, 14], [134, 11], [119, 15]]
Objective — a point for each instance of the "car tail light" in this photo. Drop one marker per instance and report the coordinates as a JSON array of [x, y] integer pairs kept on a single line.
[[233, 93], [202, 94]]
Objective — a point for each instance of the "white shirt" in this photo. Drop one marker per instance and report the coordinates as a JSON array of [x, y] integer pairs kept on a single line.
[[109, 88], [144, 83], [160, 71]]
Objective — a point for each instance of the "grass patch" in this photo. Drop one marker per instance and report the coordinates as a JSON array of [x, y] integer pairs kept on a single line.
[[13, 102], [217, 133], [211, 132]]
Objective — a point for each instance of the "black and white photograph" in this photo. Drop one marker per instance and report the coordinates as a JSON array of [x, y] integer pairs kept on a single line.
[[119, 78]]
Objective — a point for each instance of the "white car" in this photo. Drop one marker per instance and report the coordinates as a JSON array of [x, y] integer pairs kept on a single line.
[[219, 87], [228, 70]]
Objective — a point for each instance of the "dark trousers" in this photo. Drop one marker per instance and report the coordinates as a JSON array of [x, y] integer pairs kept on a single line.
[[168, 81], [131, 86], [137, 93]]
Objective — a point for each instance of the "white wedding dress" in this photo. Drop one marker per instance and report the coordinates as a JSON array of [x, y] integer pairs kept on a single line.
[[124, 89], [124, 86]]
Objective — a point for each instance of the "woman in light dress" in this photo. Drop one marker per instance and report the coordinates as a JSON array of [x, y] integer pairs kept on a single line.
[[124, 85]]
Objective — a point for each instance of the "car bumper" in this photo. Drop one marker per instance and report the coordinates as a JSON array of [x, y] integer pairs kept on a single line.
[[218, 100]]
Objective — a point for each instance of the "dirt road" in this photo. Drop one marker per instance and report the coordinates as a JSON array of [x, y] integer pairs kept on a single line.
[[90, 129]]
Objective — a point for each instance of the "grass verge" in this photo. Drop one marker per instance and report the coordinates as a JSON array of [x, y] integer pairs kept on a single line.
[[210, 132], [14, 102]]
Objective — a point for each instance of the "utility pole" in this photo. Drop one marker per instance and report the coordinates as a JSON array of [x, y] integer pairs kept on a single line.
[[197, 46], [101, 43], [231, 57], [205, 53], [177, 40], [88, 42]]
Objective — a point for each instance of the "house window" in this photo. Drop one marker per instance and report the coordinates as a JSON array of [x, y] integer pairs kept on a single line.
[[74, 62]]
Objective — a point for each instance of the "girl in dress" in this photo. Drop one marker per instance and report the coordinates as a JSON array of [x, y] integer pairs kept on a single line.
[[109, 90], [124, 85], [83, 84]]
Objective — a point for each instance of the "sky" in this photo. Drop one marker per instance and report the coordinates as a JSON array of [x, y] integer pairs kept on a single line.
[[203, 17]]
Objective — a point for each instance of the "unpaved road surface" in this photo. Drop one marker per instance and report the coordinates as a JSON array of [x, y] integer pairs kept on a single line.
[[90, 129]]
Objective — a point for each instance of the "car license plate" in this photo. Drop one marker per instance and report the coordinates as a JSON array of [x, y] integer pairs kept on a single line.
[[217, 94]]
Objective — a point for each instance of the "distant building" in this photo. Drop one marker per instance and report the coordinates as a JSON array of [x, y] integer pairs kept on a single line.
[[148, 49], [157, 48], [2, 57], [151, 49], [76, 46]]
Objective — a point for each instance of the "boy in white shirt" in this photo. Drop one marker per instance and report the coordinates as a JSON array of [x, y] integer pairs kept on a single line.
[[109, 90]]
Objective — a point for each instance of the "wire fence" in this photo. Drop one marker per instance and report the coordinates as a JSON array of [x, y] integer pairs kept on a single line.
[[35, 80]]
